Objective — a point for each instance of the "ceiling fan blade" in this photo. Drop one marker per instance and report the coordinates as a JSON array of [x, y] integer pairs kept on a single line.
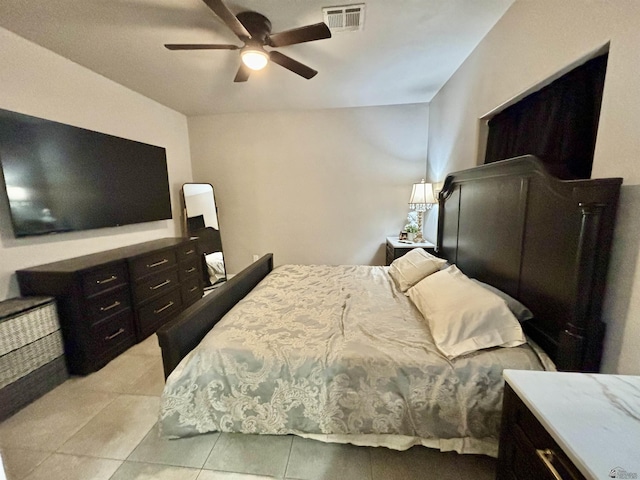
[[199, 46], [227, 16], [243, 73], [309, 33], [293, 65]]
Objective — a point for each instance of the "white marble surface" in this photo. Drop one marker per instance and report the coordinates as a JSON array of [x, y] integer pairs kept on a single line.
[[594, 418], [404, 244]]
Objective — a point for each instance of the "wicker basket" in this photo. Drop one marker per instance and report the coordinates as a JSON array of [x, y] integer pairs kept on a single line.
[[31, 351]]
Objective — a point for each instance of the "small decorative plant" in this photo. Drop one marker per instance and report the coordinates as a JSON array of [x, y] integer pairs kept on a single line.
[[412, 223]]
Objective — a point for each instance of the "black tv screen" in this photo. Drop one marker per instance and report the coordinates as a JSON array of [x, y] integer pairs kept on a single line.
[[60, 178]]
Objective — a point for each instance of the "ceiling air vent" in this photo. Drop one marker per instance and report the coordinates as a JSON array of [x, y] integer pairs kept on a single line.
[[346, 18]]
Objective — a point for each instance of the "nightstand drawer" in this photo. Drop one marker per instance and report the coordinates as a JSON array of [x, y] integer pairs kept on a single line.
[[389, 254], [527, 451]]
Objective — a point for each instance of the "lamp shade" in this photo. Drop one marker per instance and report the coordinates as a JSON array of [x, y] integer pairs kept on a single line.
[[422, 194]]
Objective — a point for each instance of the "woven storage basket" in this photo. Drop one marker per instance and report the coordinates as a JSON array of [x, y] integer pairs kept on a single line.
[[31, 351], [26, 325], [32, 386]]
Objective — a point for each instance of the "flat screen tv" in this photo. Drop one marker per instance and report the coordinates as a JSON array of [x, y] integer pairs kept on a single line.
[[60, 178]]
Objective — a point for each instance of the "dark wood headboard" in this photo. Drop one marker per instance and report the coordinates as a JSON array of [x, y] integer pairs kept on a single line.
[[543, 241]]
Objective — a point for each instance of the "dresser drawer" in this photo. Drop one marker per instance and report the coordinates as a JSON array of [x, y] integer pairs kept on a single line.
[[189, 269], [191, 291], [104, 279], [106, 305], [153, 263], [112, 333], [155, 285], [188, 251], [156, 312]]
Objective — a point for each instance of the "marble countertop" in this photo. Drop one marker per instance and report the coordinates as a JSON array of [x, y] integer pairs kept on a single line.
[[594, 418]]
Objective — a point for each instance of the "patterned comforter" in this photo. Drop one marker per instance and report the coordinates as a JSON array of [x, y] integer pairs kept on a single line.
[[340, 353]]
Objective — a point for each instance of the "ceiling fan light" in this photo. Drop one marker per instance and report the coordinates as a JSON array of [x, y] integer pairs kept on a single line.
[[254, 58]]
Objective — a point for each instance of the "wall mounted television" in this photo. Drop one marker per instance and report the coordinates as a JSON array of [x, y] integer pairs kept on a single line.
[[60, 178]]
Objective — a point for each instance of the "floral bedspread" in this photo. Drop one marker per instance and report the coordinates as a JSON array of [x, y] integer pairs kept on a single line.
[[334, 350]]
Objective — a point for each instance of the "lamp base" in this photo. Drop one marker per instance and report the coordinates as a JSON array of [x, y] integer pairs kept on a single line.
[[418, 238]]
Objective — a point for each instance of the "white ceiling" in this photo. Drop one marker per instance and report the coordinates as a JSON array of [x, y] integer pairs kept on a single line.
[[406, 52]]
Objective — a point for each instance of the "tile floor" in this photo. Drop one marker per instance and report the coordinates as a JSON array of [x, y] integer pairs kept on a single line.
[[103, 426]]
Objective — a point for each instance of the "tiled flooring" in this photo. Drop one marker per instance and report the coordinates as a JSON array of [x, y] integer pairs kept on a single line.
[[104, 427]]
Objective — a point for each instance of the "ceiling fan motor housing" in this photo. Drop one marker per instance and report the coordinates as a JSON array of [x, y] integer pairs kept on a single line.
[[257, 24]]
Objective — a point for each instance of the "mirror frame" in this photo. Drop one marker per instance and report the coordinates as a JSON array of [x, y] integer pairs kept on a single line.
[[186, 233]]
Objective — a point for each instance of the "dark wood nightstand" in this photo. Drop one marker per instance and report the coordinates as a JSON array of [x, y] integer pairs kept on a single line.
[[527, 451], [396, 249], [567, 425]]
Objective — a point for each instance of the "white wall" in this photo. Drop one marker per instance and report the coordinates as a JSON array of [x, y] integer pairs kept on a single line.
[[533, 41], [323, 186], [37, 82]]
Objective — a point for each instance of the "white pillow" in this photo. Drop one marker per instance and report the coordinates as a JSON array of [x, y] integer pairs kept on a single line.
[[413, 267], [462, 315]]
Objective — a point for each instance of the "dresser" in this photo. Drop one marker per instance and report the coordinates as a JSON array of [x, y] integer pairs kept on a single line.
[[396, 248], [110, 300], [562, 425]]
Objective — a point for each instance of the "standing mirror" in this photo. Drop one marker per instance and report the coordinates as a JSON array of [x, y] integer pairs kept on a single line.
[[201, 220]]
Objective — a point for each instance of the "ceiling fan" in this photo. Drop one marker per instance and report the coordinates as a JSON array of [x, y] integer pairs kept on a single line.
[[254, 30]]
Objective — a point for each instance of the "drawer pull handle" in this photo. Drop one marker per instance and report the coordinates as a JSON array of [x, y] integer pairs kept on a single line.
[[155, 287], [189, 252], [107, 280], [157, 264], [109, 307], [191, 270], [111, 337], [547, 455], [193, 289], [170, 304]]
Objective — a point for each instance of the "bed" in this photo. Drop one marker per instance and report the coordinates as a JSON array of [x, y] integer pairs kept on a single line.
[[339, 353]]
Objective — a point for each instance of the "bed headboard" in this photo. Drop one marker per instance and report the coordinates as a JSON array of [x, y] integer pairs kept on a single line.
[[543, 241]]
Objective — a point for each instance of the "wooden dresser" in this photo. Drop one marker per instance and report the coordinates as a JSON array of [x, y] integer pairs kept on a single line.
[[110, 300]]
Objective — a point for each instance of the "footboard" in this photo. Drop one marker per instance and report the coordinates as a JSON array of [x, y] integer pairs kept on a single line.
[[181, 335]]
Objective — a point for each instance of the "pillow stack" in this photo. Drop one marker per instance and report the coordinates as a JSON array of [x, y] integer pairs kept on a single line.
[[464, 315], [412, 267]]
